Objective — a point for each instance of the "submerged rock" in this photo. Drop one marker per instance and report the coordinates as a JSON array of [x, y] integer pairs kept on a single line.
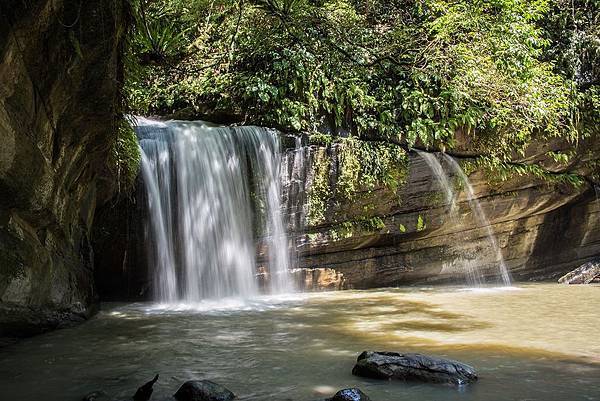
[[584, 274], [350, 394], [203, 390], [95, 396], [393, 365]]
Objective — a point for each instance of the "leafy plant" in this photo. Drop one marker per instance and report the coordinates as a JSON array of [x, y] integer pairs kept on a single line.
[[498, 74]]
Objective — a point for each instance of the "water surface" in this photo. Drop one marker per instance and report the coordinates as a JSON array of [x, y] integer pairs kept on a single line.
[[534, 342]]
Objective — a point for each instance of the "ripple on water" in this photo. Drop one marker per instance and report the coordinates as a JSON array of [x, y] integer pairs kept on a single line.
[[537, 342]]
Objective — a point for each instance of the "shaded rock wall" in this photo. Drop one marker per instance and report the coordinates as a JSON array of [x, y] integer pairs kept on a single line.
[[59, 80], [544, 230]]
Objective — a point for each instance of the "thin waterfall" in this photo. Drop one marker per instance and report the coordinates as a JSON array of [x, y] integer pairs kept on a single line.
[[482, 219], [293, 178], [210, 191], [471, 267], [440, 175]]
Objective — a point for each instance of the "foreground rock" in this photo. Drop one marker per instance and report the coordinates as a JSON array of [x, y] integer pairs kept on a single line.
[[145, 392], [393, 365], [57, 130], [350, 394], [203, 390], [95, 396], [584, 274]]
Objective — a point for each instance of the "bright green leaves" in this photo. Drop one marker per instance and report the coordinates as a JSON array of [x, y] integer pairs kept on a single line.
[[349, 168], [420, 72], [421, 224], [125, 157]]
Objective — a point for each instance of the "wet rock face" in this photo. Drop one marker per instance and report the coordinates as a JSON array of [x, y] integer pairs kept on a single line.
[[418, 367], [584, 274], [203, 390], [59, 74], [350, 394], [544, 230], [318, 279]]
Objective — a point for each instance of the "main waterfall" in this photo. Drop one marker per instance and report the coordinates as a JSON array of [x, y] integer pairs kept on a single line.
[[210, 191]]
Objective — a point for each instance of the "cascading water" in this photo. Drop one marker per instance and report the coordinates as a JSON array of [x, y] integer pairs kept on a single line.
[[201, 182], [442, 178], [482, 219], [471, 267]]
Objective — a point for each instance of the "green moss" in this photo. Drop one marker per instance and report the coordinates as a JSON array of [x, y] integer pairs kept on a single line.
[[365, 166], [434, 199], [497, 172], [360, 226], [362, 167], [320, 139], [421, 225], [126, 156], [318, 194]]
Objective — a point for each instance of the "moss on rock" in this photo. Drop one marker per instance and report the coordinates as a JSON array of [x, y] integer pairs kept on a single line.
[[348, 170]]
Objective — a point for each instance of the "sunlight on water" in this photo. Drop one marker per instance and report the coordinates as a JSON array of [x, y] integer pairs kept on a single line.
[[531, 342], [229, 304], [490, 289]]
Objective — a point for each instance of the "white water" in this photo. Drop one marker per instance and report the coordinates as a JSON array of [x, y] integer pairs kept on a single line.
[[201, 183], [470, 267]]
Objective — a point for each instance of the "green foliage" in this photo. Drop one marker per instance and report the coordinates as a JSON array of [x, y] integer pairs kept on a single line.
[[421, 224], [348, 229], [319, 192], [498, 74], [360, 167], [498, 171], [369, 164], [126, 156]]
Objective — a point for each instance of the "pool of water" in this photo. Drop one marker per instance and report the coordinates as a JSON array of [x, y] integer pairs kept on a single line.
[[532, 342]]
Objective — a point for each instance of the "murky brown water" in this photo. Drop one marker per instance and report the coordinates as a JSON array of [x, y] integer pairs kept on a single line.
[[535, 342]]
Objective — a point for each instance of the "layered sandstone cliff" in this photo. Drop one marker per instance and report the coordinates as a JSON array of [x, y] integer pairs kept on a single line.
[[412, 235]]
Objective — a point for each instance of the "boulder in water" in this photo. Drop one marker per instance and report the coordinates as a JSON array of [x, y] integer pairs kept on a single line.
[[396, 366], [145, 392], [584, 274], [203, 390], [350, 394]]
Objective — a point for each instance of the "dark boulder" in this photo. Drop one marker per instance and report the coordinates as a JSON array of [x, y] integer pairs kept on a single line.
[[350, 394], [396, 366], [203, 390], [143, 393]]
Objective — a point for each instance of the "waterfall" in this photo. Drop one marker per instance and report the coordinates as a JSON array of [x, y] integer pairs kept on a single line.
[[482, 219], [440, 175], [472, 268], [210, 190]]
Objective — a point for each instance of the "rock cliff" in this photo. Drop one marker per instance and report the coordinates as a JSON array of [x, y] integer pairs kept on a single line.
[[398, 229], [410, 234], [59, 81]]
